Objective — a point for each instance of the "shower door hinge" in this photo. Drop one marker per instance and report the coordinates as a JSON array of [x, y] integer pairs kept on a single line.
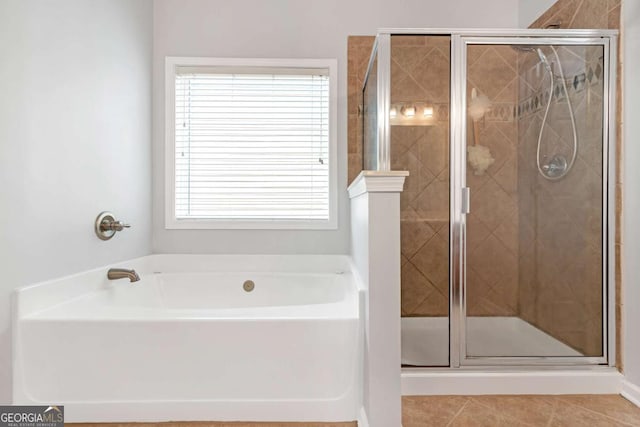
[[466, 200]]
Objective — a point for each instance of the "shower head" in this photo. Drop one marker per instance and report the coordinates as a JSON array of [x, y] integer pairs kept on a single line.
[[536, 49], [544, 60]]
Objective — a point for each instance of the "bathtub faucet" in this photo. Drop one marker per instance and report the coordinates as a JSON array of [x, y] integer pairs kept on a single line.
[[121, 273]]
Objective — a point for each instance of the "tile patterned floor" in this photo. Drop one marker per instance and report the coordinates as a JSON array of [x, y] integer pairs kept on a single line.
[[482, 411], [516, 411], [213, 424]]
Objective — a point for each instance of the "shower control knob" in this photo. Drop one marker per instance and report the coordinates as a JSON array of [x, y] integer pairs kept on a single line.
[[556, 167], [106, 225], [115, 225]]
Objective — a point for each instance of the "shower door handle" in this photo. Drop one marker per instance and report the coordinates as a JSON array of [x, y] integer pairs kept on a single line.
[[466, 200]]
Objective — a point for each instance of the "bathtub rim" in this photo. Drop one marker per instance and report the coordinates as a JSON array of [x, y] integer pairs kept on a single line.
[[95, 307], [39, 296]]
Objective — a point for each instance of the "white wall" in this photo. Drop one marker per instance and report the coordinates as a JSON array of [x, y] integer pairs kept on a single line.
[[631, 197], [530, 10], [289, 29], [75, 126]]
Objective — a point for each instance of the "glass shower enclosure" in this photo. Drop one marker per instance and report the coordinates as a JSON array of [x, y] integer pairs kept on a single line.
[[507, 216]]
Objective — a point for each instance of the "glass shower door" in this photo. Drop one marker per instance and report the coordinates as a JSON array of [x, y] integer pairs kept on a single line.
[[535, 168]]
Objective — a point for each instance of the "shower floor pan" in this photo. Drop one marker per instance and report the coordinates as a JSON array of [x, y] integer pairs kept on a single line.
[[425, 340]]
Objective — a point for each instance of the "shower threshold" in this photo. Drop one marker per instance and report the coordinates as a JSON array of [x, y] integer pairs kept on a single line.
[[425, 340]]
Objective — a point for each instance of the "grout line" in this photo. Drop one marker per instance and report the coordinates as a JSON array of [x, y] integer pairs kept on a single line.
[[553, 411], [575, 14], [509, 139], [459, 412], [477, 60], [472, 398], [432, 290], [506, 60], [418, 62], [501, 414], [505, 417], [410, 257], [504, 90], [601, 414]]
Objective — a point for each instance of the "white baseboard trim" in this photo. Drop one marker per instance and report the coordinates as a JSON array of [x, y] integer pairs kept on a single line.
[[363, 421], [631, 392], [417, 381]]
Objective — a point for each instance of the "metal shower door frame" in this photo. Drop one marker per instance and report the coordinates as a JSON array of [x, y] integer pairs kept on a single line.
[[459, 193], [460, 39]]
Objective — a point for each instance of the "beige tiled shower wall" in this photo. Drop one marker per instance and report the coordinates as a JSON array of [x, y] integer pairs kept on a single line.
[[597, 14], [492, 225], [420, 74], [358, 54]]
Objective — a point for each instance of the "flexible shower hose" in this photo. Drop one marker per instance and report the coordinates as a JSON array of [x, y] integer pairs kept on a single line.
[[546, 114]]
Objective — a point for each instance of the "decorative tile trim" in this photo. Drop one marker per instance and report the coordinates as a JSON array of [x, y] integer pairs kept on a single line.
[[499, 112], [593, 75]]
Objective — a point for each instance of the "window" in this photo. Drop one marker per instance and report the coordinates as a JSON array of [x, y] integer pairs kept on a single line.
[[250, 143]]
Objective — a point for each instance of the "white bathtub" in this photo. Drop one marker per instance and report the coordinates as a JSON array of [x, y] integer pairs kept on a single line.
[[187, 342]]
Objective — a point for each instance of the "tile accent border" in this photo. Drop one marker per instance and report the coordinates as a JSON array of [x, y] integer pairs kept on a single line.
[[593, 75]]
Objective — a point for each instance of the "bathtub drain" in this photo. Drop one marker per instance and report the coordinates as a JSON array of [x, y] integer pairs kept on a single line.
[[248, 285]]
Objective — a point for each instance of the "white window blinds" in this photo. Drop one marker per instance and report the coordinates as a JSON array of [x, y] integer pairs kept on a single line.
[[251, 144]]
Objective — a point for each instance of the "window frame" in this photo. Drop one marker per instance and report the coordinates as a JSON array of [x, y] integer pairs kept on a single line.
[[171, 222]]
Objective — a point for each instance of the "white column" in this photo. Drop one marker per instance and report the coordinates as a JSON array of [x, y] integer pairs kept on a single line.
[[375, 248]]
